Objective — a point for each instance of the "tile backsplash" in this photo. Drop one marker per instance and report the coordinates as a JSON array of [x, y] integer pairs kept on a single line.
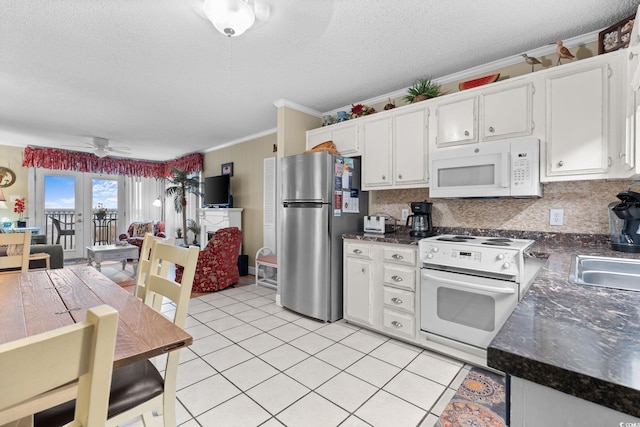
[[584, 204]]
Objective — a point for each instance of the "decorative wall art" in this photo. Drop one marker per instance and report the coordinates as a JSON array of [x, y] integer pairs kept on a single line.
[[616, 36], [227, 168], [7, 177]]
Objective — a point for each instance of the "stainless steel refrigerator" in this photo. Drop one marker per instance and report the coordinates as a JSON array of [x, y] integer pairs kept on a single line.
[[321, 200]]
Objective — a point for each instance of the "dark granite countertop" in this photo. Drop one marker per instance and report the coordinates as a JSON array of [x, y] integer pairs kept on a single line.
[[579, 339], [400, 237]]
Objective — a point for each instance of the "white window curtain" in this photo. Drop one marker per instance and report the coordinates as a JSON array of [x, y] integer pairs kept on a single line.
[[140, 194]]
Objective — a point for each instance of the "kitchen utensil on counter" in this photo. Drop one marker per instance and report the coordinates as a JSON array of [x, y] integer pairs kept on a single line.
[[420, 222], [624, 222]]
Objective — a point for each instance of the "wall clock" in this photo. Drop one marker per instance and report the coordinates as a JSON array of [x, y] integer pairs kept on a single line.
[[7, 177]]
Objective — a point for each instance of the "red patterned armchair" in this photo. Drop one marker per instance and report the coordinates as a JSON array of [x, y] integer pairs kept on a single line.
[[137, 230], [218, 262]]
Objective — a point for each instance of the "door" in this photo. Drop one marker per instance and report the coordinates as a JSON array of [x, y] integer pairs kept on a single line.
[[465, 308], [376, 164], [66, 209], [308, 177], [305, 262], [410, 147]]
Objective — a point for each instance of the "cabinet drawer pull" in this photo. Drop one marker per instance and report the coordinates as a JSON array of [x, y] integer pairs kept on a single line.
[[400, 176], [397, 301], [466, 133], [396, 278], [491, 129], [384, 177], [397, 256], [363, 270], [560, 163], [396, 324], [357, 251]]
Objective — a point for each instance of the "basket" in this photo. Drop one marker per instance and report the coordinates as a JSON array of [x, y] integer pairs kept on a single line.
[[324, 146]]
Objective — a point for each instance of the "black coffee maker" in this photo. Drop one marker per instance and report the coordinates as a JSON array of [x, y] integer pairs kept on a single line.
[[624, 221], [420, 222]]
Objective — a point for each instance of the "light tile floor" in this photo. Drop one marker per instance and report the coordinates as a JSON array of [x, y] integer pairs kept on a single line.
[[253, 363]]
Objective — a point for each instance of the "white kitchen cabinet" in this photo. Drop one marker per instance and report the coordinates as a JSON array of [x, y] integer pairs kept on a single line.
[[358, 273], [507, 113], [376, 154], [584, 120], [380, 287], [457, 122], [629, 153], [410, 163], [503, 111], [395, 149], [344, 135]]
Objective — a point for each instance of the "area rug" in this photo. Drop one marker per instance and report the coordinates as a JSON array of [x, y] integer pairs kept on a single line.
[[479, 402]]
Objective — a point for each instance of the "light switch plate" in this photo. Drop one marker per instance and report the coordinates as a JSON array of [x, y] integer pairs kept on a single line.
[[405, 214]]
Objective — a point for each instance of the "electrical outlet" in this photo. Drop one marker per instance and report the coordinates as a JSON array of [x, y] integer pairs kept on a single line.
[[556, 216], [405, 214]]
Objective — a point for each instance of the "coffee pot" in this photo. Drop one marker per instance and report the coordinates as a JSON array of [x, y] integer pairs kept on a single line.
[[420, 221], [624, 222]]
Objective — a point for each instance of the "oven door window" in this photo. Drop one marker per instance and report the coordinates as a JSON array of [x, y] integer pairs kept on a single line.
[[466, 308]]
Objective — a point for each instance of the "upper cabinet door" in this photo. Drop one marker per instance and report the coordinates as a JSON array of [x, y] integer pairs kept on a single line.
[[376, 157], [507, 113], [457, 122], [344, 136], [410, 147], [577, 120]]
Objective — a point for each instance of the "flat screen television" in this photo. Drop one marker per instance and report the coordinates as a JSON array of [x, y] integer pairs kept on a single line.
[[217, 191]]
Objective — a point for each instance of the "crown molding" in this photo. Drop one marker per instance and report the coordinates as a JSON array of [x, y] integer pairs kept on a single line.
[[244, 139], [290, 104], [480, 69]]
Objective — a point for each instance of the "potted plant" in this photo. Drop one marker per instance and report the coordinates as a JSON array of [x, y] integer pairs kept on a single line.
[[19, 208], [101, 211], [179, 232], [422, 89], [194, 227], [184, 183]]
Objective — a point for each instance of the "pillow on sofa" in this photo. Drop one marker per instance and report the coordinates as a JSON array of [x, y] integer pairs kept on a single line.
[[142, 228]]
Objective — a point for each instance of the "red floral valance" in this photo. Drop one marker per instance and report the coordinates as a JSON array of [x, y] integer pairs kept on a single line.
[[53, 158]]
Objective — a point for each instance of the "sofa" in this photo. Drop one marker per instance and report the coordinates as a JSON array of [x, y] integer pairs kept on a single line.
[[137, 230], [218, 262]]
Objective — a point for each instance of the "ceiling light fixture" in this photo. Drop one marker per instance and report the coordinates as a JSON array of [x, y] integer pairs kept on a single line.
[[230, 17], [101, 152]]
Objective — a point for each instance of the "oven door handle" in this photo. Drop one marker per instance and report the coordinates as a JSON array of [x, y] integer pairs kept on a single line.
[[468, 285]]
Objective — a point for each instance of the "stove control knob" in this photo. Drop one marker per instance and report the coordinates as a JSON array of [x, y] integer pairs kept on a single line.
[[506, 265], [429, 256], [436, 249], [501, 256]]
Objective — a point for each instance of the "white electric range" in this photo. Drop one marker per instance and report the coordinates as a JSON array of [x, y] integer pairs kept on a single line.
[[470, 285]]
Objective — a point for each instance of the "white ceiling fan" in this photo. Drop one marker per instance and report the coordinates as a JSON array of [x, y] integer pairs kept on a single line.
[[101, 147]]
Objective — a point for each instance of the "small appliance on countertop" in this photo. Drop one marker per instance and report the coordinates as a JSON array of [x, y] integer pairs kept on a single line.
[[624, 221], [380, 223], [420, 220]]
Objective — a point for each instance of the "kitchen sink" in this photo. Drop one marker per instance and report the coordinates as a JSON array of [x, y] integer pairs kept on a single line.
[[618, 273]]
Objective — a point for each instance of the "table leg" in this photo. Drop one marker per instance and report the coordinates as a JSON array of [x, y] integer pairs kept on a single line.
[[134, 263], [124, 262], [98, 262]]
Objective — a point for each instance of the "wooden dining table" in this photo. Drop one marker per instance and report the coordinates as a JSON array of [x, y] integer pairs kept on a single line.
[[39, 301]]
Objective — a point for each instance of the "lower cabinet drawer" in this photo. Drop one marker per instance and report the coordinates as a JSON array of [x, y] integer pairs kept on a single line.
[[400, 277], [354, 249], [399, 299], [399, 323]]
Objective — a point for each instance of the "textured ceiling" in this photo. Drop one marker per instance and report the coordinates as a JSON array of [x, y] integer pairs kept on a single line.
[[156, 76]]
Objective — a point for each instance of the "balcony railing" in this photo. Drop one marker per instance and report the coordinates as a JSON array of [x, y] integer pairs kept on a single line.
[[104, 230]]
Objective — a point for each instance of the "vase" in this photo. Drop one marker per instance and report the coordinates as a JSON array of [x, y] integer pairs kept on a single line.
[[101, 216]]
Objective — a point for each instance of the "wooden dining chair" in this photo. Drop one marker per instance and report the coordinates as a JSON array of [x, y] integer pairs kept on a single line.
[[144, 264], [138, 389], [17, 247], [160, 284], [75, 360]]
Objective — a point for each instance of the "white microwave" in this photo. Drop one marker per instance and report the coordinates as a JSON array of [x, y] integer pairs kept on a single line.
[[508, 168]]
